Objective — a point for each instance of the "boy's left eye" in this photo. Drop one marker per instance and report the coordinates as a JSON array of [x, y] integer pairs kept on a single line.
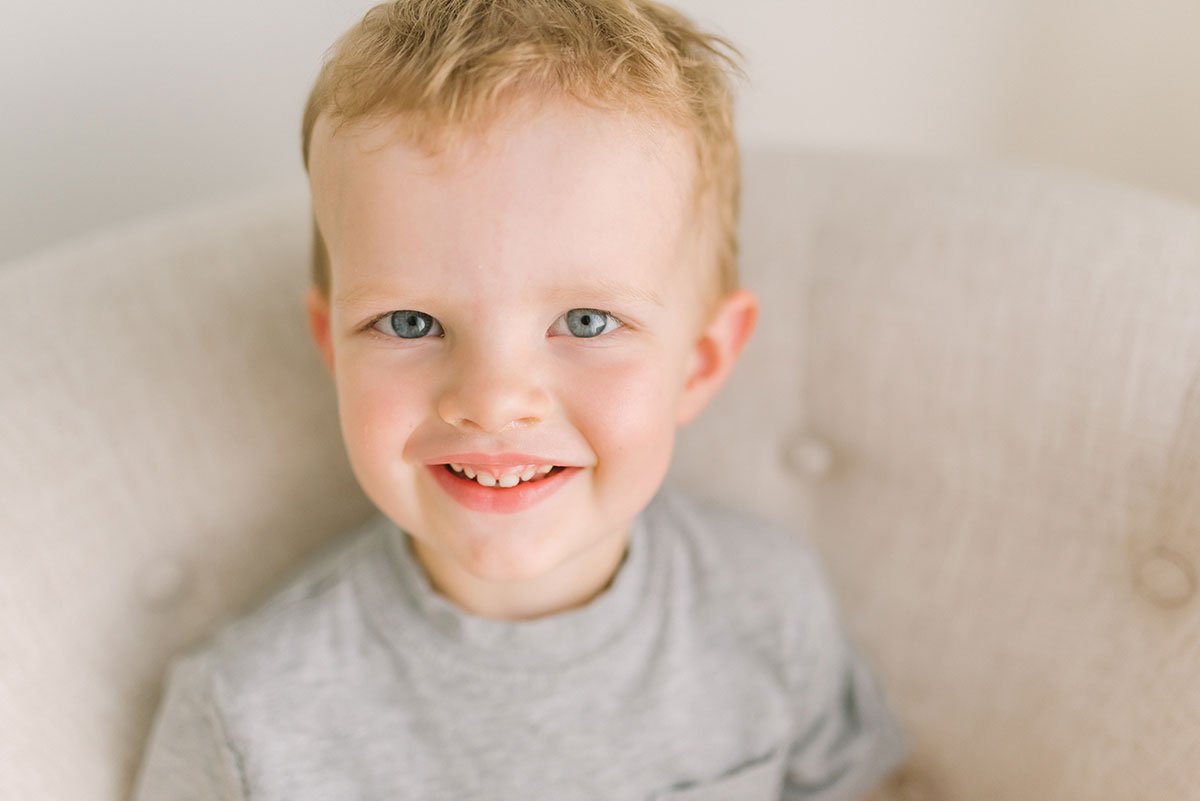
[[586, 323]]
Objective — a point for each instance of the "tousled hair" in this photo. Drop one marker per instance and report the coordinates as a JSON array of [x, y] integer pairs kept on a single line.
[[441, 69]]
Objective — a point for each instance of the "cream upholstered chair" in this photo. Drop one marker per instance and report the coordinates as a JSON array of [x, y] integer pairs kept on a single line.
[[976, 387]]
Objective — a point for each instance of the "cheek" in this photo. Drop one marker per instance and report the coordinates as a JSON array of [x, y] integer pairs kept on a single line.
[[626, 409], [377, 411]]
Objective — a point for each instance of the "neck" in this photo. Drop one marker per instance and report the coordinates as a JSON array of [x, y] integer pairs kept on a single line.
[[569, 585]]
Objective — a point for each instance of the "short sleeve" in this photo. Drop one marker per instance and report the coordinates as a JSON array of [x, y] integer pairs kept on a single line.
[[848, 739], [188, 757]]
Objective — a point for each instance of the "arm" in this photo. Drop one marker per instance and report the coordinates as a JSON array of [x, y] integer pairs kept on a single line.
[[848, 740], [188, 755], [850, 749]]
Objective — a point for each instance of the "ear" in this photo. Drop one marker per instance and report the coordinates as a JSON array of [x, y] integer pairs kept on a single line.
[[716, 351], [318, 324]]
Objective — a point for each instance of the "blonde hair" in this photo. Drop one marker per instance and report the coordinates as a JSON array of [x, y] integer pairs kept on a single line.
[[442, 68]]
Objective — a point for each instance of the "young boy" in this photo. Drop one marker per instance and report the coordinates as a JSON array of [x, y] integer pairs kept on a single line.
[[524, 284]]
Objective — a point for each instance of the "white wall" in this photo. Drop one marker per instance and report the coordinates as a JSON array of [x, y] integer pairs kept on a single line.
[[116, 109], [113, 110]]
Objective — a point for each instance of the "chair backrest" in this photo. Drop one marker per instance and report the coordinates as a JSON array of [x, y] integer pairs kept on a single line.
[[977, 387], [168, 447], [973, 386]]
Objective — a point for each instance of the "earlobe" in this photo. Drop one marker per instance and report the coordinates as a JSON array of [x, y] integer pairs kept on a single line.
[[716, 351], [317, 308]]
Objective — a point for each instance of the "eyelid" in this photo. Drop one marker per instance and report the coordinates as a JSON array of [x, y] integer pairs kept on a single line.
[[370, 323]]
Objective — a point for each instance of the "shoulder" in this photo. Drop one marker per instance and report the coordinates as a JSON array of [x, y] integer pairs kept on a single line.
[[732, 545], [219, 693], [314, 611], [764, 572], [188, 749]]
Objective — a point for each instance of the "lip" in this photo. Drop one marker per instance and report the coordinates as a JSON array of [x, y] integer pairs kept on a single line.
[[478, 498], [493, 459]]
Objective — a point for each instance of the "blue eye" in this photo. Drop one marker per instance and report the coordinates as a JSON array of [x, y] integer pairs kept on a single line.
[[408, 324], [585, 323]]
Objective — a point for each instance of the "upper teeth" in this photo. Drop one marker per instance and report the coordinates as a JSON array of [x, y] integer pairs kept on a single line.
[[511, 476]]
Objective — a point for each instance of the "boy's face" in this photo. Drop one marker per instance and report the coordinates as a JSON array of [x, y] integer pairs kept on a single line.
[[499, 264]]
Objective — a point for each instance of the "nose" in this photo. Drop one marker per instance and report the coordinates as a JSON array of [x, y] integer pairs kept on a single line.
[[492, 391]]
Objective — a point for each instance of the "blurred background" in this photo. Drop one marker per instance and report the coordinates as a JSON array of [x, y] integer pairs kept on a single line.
[[118, 109]]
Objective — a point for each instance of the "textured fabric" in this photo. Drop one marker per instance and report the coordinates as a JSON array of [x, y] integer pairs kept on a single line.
[[1006, 383], [168, 448], [713, 666]]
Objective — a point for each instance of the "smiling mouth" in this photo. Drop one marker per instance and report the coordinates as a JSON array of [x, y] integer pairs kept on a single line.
[[507, 480]]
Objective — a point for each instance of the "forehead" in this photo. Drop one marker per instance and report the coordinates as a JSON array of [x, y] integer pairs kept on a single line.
[[547, 194]]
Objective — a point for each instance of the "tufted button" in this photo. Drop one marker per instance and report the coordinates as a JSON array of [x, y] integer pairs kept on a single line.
[[163, 580], [809, 455], [1165, 578]]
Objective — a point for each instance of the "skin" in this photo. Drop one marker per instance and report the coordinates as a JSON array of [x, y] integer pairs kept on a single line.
[[497, 241]]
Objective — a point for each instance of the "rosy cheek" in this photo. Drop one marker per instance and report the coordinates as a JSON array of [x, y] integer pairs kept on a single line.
[[380, 406], [621, 406]]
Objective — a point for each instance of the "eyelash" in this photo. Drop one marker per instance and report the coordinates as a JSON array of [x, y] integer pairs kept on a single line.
[[370, 328]]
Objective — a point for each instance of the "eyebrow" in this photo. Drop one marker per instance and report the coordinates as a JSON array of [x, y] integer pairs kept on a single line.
[[365, 293], [606, 287]]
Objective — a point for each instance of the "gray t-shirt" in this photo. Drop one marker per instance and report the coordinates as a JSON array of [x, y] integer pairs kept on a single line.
[[714, 666]]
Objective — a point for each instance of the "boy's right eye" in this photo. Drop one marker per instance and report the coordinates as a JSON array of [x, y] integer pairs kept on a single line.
[[408, 324]]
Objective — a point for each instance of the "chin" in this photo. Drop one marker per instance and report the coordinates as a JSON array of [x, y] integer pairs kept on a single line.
[[510, 561]]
